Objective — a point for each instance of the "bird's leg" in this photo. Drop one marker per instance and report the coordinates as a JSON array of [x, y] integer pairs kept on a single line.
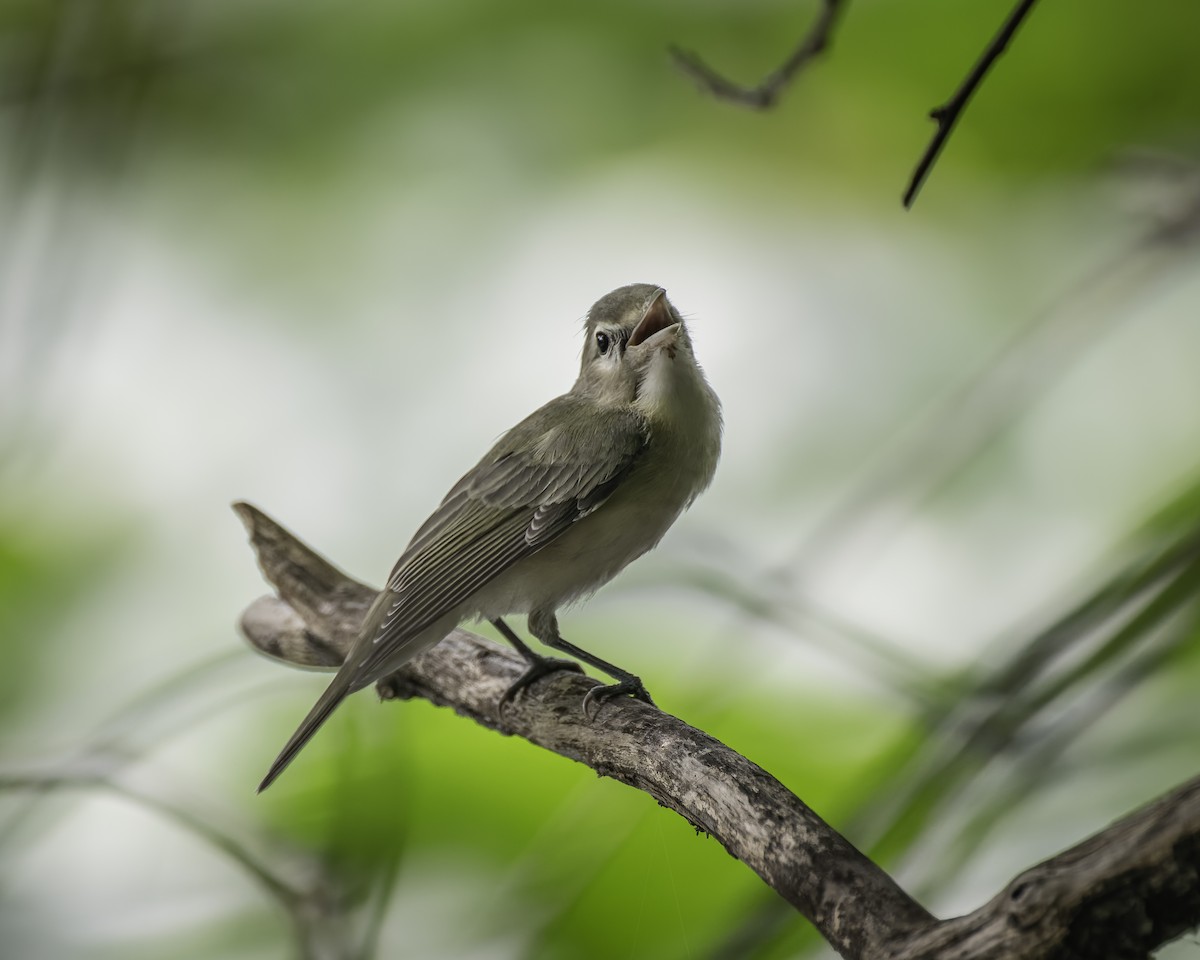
[[544, 626], [539, 666]]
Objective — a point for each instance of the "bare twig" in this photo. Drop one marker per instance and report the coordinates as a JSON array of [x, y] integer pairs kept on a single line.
[[948, 114], [1120, 894], [767, 93]]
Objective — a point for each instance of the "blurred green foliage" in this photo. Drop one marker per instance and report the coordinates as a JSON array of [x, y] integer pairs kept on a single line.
[[46, 573], [556, 86], [264, 141]]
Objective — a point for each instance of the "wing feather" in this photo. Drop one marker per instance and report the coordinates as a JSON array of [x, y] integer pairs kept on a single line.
[[540, 478]]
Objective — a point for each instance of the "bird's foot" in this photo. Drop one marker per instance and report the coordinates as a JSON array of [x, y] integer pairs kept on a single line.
[[630, 686], [538, 667]]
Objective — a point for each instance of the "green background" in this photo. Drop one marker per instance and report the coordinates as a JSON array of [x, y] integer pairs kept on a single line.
[[320, 255]]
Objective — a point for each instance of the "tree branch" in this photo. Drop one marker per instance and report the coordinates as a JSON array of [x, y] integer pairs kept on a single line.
[[758, 820], [767, 93], [1118, 895], [947, 115]]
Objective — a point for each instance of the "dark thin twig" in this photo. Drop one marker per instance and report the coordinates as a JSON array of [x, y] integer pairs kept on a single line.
[[948, 114], [767, 93]]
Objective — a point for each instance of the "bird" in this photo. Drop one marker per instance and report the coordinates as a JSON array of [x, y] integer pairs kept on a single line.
[[559, 505]]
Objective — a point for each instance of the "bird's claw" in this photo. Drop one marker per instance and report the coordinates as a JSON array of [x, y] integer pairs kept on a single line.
[[599, 694], [541, 667]]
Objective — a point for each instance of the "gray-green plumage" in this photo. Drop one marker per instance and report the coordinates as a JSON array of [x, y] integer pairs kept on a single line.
[[557, 507]]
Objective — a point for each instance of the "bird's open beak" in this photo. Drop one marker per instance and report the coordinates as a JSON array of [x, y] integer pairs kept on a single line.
[[658, 328]]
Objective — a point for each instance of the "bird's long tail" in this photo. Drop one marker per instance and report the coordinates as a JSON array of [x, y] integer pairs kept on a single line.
[[334, 694]]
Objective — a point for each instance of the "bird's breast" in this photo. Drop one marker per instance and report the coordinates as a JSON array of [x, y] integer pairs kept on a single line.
[[598, 546]]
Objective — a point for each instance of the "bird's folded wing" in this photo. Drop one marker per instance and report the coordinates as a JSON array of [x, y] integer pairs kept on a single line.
[[542, 476]]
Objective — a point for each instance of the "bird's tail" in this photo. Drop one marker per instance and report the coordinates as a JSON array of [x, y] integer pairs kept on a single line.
[[334, 694]]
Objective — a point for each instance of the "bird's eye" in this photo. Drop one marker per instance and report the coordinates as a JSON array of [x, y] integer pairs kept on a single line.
[[603, 342]]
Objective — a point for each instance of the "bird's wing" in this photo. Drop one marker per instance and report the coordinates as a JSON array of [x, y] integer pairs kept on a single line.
[[540, 478]]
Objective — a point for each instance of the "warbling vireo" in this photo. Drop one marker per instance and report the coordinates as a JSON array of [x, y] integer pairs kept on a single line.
[[555, 509]]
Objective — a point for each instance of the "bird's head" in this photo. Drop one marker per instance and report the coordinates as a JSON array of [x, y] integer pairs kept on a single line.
[[634, 338]]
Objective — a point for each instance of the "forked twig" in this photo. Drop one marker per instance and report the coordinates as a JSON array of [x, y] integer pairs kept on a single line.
[[767, 93]]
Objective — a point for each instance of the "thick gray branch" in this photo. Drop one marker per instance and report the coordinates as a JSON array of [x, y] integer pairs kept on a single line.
[[1118, 895], [756, 818]]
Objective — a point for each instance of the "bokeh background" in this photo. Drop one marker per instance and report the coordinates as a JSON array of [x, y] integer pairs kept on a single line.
[[319, 256]]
